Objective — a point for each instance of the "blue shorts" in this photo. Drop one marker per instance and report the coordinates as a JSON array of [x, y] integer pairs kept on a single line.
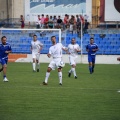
[[91, 58], [3, 61]]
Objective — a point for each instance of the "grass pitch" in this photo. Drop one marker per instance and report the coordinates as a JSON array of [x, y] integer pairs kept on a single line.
[[90, 97]]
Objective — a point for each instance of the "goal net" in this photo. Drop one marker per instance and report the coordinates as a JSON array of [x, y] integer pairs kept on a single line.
[[20, 40]]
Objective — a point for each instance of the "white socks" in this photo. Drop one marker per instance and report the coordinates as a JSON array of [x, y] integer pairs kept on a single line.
[[74, 72], [34, 66], [60, 77], [70, 70], [38, 65], [47, 76]]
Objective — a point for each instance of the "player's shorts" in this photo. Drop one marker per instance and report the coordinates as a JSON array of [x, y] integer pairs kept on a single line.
[[54, 63], [35, 55], [91, 58], [72, 60], [3, 61]]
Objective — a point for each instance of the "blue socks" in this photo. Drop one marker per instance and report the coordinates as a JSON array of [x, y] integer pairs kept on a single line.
[[4, 76], [90, 69]]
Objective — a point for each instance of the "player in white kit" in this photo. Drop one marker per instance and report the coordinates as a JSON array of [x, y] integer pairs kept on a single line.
[[36, 47], [73, 50], [56, 52]]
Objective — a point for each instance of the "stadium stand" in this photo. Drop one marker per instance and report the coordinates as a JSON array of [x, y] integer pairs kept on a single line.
[[108, 45]]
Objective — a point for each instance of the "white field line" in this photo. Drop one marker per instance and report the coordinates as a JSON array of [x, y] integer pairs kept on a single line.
[[59, 87]]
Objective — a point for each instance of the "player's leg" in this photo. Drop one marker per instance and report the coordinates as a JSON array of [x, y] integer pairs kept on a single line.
[[37, 62], [4, 65], [70, 71], [47, 75], [34, 62], [73, 65], [51, 66], [74, 71], [1, 69], [60, 75], [90, 63], [93, 63]]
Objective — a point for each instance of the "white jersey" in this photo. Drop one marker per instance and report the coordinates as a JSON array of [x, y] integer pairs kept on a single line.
[[72, 51], [56, 50], [36, 45]]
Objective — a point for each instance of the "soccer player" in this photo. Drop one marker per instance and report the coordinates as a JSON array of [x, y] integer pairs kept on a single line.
[[5, 49], [36, 47], [56, 52], [91, 48], [73, 50]]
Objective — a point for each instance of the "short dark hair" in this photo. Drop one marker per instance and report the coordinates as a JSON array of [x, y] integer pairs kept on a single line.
[[34, 35], [53, 37], [91, 38], [3, 37]]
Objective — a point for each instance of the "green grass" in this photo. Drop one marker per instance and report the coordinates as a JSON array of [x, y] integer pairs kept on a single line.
[[90, 97]]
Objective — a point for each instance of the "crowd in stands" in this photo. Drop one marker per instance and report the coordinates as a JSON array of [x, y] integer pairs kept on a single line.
[[72, 22], [56, 22]]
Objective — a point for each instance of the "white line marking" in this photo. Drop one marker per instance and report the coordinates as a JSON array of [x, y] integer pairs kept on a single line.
[[59, 87]]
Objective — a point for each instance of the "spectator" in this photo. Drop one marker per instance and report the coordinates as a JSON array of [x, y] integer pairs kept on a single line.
[[42, 21], [65, 21], [78, 23], [50, 23], [22, 21], [54, 22], [46, 21], [86, 17], [86, 24], [59, 22], [82, 19], [72, 21], [38, 22]]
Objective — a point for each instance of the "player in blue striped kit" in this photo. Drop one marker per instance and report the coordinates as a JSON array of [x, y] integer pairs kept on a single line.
[[91, 48], [5, 49]]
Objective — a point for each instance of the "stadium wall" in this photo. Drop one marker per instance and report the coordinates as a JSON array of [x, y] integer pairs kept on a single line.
[[100, 59], [11, 8]]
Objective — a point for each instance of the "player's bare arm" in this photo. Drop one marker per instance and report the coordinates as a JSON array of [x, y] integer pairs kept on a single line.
[[118, 59], [49, 55], [77, 50]]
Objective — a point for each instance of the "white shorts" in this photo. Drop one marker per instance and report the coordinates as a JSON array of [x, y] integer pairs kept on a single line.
[[54, 63], [72, 60], [35, 55]]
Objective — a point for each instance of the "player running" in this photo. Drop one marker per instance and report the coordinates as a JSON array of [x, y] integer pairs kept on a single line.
[[36, 47], [73, 50], [91, 48], [5, 49], [56, 52]]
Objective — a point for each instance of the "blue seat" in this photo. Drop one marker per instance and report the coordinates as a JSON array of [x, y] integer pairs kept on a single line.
[[102, 42], [108, 36], [118, 35], [118, 42], [86, 35], [113, 35], [110, 47]]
